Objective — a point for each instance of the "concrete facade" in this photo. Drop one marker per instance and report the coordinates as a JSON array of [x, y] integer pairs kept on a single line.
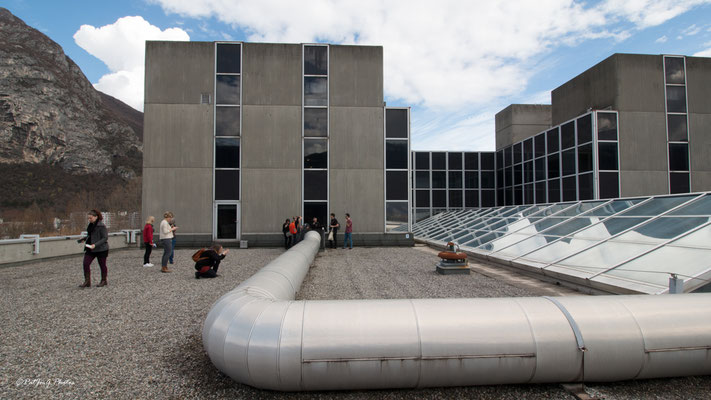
[[520, 121], [180, 150]]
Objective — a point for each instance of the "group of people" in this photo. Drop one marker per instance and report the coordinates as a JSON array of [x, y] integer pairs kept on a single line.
[[166, 237], [294, 230]]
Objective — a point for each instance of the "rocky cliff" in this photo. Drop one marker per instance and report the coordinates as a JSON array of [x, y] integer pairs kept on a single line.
[[51, 115]]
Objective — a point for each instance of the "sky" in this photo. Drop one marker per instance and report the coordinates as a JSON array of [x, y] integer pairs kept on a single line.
[[455, 63]]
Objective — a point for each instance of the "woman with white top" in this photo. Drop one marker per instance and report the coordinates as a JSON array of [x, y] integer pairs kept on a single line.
[[166, 239]]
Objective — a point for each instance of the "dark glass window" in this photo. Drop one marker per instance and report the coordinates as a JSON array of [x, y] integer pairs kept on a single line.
[[509, 196], [487, 161], [518, 195], [607, 156], [395, 213], [315, 91], [567, 135], [585, 187], [226, 184], [499, 197], [439, 160], [568, 162], [499, 159], [455, 179], [528, 194], [316, 154], [316, 209], [471, 198], [227, 121], [679, 182], [471, 180], [540, 189], [455, 160], [674, 70], [517, 153], [228, 58], [553, 166], [316, 185], [676, 99], [609, 185], [528, 149], [439, 198], [678, 157], [528, 172], [471, 161], [584, 129], [455, 198], [540, 172], [422, 179], [487, 180], [606, 126], [396, 123], [422, 160], [396, 185], [552, 140], [439, 179], [570, 191], [488, 198], [396, 154], [540, 144], [508, 156], [499, 178], [509, 176], [315, 60], [422, 198], [227, 89], [226, 221], [315, 122], [585, 158], [226, 152], [518, 174], [678, 131], [554, 191]]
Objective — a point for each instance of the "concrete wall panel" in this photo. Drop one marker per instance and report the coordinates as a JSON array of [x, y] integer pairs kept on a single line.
[[641, 83], [360, 193], [178, 136], [700, 145], [179, 72], [643, 142], [187, 192], [521, 121], [700, 181], [356, 76], [698, 76], [595, 88], [271, 74], [356, 137], [269, 197], [271, 137], [643, 183]]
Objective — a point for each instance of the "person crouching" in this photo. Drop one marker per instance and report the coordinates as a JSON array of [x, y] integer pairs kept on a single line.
[[208, 263]]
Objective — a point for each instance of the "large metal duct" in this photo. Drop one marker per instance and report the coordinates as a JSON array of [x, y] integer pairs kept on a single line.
[[258, 335]]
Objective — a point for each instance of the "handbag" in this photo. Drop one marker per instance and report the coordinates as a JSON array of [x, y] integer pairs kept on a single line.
[[330, 235]]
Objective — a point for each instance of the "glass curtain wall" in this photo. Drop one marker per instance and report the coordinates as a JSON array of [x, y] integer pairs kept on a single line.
[[397, 169], [315, 133], [677, 124], [227, 128]]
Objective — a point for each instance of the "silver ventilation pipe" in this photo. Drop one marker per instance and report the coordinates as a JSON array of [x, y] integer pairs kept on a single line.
[[258, 335]]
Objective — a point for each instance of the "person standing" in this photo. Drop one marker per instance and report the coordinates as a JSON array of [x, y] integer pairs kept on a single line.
[[349, 232], [297, 224], [287, 233], [166, 239], [209, 262], [148, 241], [172, 242], [96, 246], [292, 232], [333, 234]]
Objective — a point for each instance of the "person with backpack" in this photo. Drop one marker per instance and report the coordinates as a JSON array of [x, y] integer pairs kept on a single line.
[[207, 261]]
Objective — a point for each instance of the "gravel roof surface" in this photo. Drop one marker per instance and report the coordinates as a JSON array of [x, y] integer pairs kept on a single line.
[[140, 337]]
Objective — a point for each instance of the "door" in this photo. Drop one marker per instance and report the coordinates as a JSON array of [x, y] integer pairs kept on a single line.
[[226, 225]]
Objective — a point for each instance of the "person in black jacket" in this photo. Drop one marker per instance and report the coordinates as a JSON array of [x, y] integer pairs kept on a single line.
[[209, 262], [96, 246]]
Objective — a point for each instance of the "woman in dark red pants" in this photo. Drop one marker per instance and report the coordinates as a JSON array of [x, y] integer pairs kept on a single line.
[[96, 246]]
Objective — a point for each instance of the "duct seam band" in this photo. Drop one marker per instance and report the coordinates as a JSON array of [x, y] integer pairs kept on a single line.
[[432, 358], [571, 321], [677, 349]]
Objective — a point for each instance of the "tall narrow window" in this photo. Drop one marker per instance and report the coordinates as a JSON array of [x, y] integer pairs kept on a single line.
[[677, 125], [397, 171]]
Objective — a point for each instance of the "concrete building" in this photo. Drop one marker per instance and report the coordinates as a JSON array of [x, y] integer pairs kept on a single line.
[[240, 136]]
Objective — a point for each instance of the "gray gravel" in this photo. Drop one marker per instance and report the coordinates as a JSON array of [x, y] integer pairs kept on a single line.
[[140, 336]]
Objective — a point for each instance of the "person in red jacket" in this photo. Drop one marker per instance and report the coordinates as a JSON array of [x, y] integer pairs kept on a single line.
[[148, 241]]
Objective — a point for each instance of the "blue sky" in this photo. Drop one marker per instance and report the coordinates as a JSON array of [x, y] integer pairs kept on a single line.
[[455, 63]]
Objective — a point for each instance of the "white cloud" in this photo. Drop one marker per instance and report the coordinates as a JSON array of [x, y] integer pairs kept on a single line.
[[691, 30], [121, 46], [662, 39], [704, 53]]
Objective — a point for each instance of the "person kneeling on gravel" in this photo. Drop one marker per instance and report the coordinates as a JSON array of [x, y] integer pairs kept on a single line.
[[207, 261]]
